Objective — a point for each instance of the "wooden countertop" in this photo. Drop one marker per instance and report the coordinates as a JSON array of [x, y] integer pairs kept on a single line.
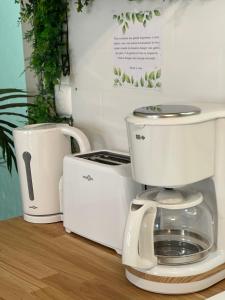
[[41, 261]]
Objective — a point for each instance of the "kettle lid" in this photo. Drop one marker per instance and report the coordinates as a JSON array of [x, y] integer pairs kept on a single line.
[[166, 111]]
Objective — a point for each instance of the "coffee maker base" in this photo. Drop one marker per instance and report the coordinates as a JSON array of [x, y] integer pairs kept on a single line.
[[44, 219], [175, 285]]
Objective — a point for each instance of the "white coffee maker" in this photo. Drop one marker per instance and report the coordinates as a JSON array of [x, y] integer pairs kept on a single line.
[[174, 239]]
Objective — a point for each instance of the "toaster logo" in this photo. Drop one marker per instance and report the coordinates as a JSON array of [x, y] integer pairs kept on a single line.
[[88, 177], [140, 137], [33, 207]]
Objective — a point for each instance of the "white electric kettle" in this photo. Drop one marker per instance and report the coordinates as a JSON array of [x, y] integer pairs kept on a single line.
[[40, 150]]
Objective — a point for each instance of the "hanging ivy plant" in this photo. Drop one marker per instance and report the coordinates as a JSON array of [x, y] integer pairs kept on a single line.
[[49, 59]]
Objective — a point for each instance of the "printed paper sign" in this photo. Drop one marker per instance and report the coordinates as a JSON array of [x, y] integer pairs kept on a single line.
[[137, 49]]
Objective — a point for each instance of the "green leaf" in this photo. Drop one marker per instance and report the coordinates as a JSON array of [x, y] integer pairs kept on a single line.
[[126, 24], [14, 114], [146, 76], [152, 75], [123, 77], [124, 29], [14, 97], [13, 105], [6, 130], [132, 79], [128, 16], [142, 82], [8, 123], [136, 84], [158, 74], [10, 90], [119, 72], [158, 84], [133, 17], [150, 84], [120, 21], [115, 71], [157, 12], [114, 17], [144, 23], [140, 17], [7, 144], [127, 79]]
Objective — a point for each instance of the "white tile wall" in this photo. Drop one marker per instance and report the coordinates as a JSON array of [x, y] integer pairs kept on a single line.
[[193, 64]]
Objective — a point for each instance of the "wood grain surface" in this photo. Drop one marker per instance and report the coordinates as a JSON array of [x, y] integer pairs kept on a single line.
[[184, 279], [41, 261]]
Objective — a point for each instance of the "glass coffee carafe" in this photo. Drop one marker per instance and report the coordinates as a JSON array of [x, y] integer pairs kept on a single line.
[[168, 226]]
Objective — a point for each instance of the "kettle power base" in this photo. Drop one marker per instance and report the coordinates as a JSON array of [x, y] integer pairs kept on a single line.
[[43, 219], [175, 285]]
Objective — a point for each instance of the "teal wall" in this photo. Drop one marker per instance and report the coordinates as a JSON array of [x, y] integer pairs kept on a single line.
[[11, 75]]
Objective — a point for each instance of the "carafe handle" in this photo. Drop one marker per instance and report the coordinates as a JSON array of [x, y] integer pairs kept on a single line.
[[79, 136], [138, 246]]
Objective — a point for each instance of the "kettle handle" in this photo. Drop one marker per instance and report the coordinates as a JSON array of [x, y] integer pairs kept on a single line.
[[139, 252], [79, 136]]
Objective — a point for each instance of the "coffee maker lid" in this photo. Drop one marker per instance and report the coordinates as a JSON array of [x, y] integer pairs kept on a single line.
[[166, 111]]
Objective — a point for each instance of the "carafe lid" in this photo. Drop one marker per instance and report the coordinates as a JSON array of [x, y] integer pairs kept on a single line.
[[171, 198], [166, 111]]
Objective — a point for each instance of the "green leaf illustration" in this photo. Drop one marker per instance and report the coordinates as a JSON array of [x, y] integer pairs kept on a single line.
[[150, 84], [146, 76], [128, 16], [127, 79], [148, 80], [158, 74], [140, 17], [148, 16], [152, 75], [115, 71], [132, 79], [157, 12], [120, 21]]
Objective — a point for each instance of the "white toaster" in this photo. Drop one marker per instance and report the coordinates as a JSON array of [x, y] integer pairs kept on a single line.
[[97, 191]]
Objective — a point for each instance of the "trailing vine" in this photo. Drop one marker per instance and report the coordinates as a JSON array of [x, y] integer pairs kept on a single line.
[[48, 21], [49, 59]]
